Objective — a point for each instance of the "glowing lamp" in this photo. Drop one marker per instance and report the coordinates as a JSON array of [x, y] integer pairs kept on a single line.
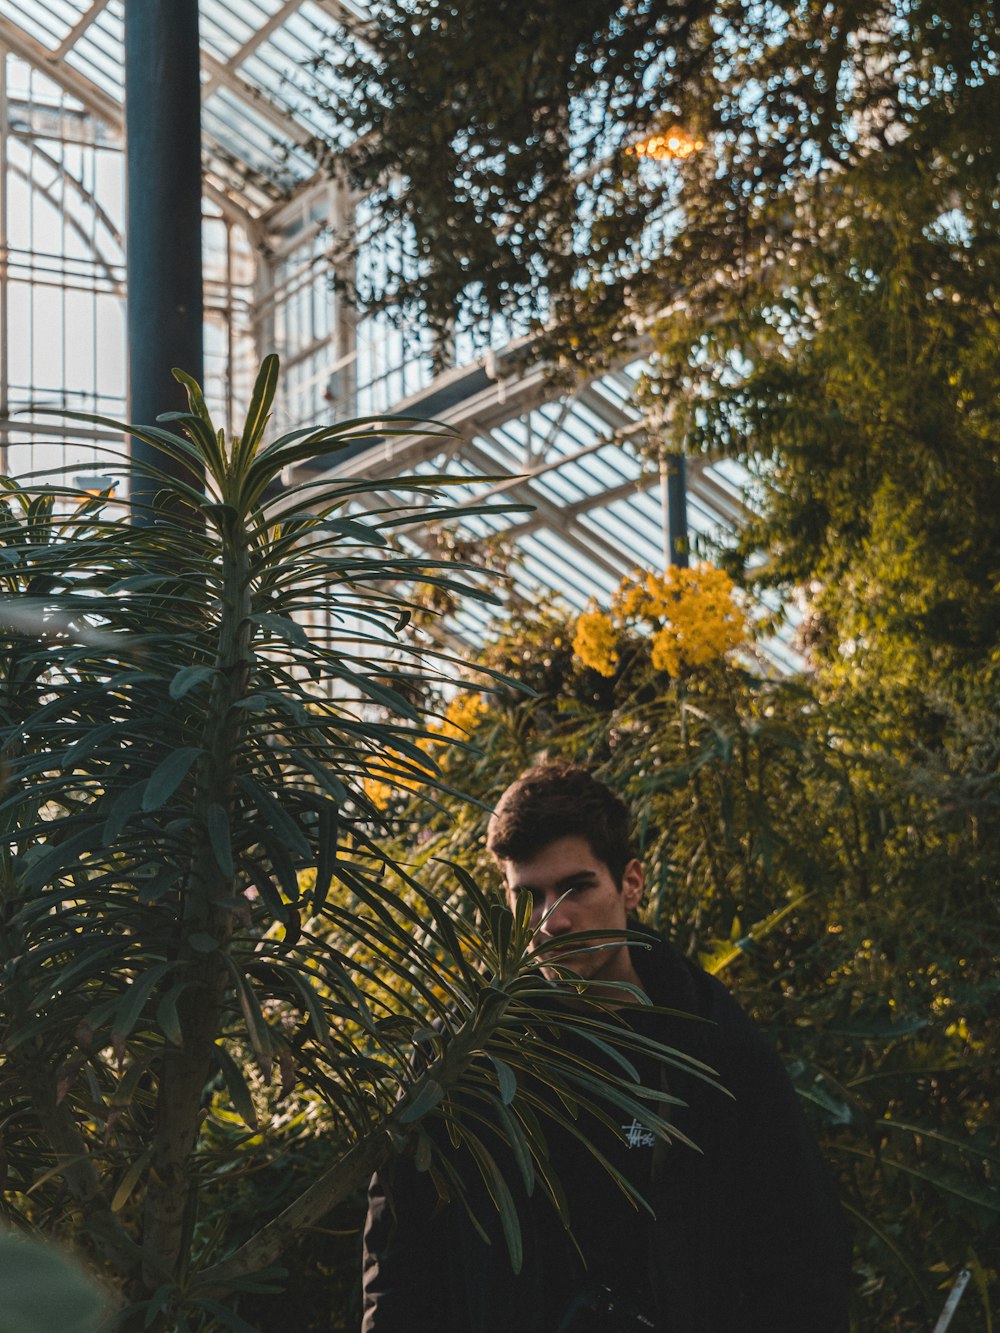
[[673, 143]]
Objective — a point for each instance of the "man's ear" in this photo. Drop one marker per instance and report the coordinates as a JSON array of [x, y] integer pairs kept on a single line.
[[632, 885]]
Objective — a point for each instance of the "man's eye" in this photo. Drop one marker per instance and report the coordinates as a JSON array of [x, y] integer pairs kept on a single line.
[[518, 894]]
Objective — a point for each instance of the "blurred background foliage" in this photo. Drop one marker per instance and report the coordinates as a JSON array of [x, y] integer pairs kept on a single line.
[[833, 864], [812, 274]]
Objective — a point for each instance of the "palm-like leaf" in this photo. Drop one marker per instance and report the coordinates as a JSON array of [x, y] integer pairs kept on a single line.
[[192, 740]]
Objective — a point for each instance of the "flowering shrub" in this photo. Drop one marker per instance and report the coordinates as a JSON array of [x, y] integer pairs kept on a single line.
[[463, 715], [691, 613], [596, 642]]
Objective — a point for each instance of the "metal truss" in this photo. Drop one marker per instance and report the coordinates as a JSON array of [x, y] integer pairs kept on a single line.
[[577, 462]]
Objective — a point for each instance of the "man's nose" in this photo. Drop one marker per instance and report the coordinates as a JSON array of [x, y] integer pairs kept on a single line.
[[556, 917]]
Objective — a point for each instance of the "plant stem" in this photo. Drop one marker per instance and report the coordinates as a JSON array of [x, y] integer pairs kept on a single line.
[[207, 910], [63, 1137]]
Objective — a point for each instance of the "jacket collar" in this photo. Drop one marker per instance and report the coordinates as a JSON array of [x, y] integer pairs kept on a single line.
[[666, 976]]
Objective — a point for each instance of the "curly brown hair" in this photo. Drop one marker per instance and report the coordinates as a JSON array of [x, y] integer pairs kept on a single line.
[[558, 800]]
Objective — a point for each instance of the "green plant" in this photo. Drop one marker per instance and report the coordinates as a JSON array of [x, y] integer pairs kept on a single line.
[[188, 744], [839, 873]]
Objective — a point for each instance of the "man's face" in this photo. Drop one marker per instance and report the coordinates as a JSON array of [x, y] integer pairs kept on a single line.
[[571, 890]]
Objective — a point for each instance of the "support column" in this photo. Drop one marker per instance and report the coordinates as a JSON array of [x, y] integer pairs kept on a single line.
[[163, 231], [4, 268], [673, 479], [345, 315]]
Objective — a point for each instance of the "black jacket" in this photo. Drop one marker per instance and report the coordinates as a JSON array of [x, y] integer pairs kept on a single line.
[[748, 1236]]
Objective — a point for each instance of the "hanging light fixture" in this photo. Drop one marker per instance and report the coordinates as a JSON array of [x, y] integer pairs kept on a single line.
[[675, 142]]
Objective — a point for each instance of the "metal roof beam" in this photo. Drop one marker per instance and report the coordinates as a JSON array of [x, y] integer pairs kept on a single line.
[[259, 37], [80, 27], [603, 408], [221, 75], [96, 101], [27, 423], [402, 452], [552, 428]]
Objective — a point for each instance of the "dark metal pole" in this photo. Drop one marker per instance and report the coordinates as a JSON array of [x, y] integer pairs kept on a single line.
[[673, 479], [163, 228]]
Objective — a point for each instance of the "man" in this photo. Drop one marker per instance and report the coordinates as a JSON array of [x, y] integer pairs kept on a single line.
[[747, 1235]]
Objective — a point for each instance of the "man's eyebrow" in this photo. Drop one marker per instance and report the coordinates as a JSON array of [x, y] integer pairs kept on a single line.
[[561, 885]]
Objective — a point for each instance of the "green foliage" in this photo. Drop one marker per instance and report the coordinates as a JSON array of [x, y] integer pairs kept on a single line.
[[525, 180], [200, 917], [840, 874], [860, 389]]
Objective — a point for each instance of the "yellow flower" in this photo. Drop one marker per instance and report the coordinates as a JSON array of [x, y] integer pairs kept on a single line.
[[666, 655], [700, 622], [398, 774], [595, 642], [694, 618], [464, 714]]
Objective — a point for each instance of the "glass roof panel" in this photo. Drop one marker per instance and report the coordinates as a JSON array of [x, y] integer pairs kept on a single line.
[[612, 465], [509, 458], [263, 49], [232, 24], [98, 55], [598, 515], [556, 487], [107, 34], [47, 23], [550, 570], [629, 529], [217, 35], [592, 420], [268, 69], [238, 128]]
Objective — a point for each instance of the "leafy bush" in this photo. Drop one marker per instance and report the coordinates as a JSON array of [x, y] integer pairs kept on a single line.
[[199, 923], [840, 874]]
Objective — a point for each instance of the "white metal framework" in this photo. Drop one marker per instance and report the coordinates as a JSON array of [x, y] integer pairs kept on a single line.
[[273, 219]]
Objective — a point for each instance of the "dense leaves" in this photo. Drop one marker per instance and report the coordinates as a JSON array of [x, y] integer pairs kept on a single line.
[[200, 919], [863, 397], [504, 138], [840, 875]]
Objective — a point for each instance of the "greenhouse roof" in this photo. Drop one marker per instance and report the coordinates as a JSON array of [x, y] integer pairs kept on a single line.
[[261, 84], [575, 456]]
